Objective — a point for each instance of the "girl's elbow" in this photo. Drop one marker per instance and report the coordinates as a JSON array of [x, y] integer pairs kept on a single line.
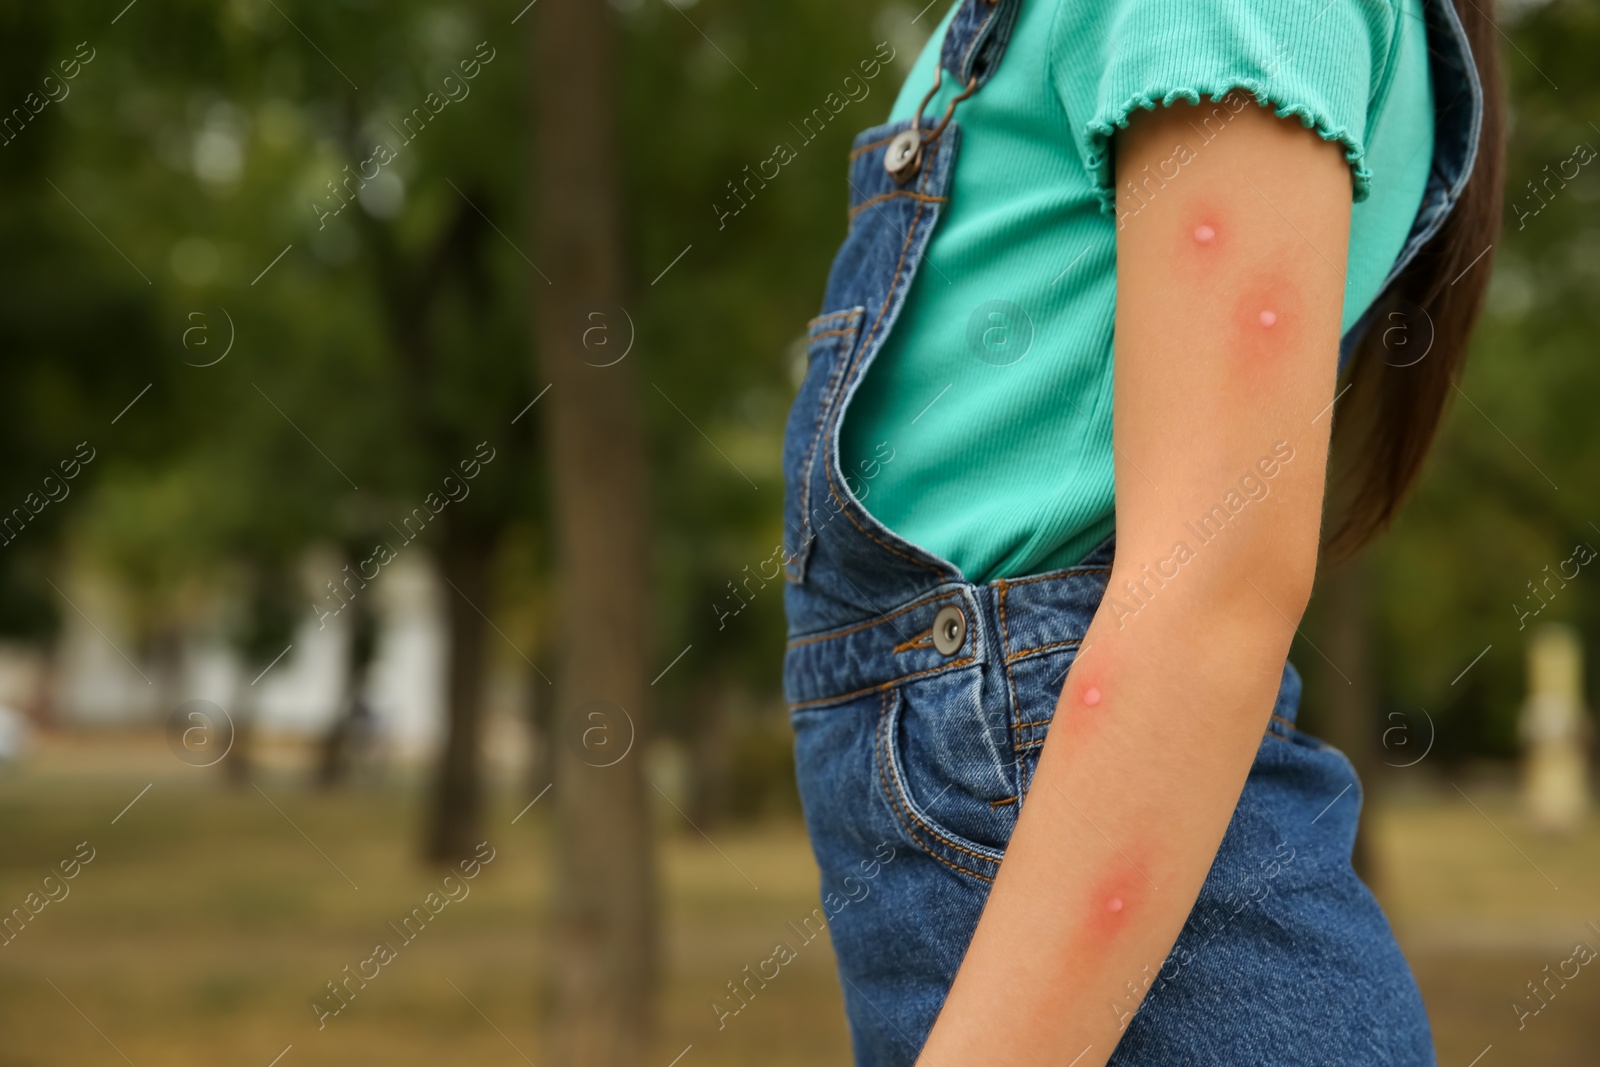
[[1279, 570]]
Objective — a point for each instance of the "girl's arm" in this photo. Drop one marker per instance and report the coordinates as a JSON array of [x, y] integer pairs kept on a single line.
[[1230, 287]]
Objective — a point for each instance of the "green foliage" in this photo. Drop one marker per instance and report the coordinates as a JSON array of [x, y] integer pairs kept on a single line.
[[393, 336], [294, 352]]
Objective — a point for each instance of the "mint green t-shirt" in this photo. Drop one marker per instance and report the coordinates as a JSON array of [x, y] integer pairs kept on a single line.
[[995, 385]]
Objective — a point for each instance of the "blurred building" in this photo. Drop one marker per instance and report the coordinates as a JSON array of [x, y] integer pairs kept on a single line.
[[101, 677]]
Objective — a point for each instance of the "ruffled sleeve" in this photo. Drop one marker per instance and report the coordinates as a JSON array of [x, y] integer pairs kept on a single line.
[[1323, 62]]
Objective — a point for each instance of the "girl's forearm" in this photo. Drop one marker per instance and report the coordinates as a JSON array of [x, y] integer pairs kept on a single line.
[[1153, 735]]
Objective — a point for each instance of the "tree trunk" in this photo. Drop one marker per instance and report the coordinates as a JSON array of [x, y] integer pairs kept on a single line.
[[457, 810], [541, 768], [710, 755], [603, 959], [1352, 720], [237, 765], [345, 738]]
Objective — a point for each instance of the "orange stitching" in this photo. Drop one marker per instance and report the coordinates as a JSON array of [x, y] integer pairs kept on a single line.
[[1000, 595], [866, 625], [833, 333], [820, 319], [888, 794], [830, 389], [845, 508], [922, 640], [1057, 576], [811, 453], [864, 149], [894, 804], [885, 685], [859, 208], [1038, 722], [1002, 802], [1005, 661], [1054, 644], [923, 845], [978, 35], [959, 848]]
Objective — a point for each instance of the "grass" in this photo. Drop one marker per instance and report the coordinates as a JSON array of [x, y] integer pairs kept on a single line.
[[207, 922], [1482, 905]]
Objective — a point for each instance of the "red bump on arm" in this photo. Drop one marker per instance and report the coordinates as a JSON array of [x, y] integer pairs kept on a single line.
[[1203, 236], [1083, 704], [1114, 900], [1265, 319]]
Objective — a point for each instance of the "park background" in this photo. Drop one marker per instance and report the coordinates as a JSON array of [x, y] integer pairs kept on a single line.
[[544, 312]]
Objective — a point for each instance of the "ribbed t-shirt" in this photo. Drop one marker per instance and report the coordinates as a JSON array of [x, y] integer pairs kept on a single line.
[[995, 385]]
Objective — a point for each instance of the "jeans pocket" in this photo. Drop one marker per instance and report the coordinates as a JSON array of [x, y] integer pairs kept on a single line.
[[944, 764]]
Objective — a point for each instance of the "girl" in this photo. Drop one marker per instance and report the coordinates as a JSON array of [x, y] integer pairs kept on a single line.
[[1106, 268]]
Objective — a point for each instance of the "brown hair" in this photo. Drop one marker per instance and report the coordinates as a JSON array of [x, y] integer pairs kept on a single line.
[[1388, 422]]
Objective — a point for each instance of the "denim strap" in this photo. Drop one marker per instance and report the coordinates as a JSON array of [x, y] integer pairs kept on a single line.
[[977, 38], [1457, 120]]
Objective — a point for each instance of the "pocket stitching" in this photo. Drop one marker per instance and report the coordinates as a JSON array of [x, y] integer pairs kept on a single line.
[[895, 792], [1005, 662]]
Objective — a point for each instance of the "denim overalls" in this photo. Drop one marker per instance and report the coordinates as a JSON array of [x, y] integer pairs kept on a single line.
[[920, 701]]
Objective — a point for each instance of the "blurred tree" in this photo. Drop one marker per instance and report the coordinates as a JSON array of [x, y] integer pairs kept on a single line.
[[1510, 486], [604, 961], [262, 634], [341, 353], [351, 733], [76, 326]]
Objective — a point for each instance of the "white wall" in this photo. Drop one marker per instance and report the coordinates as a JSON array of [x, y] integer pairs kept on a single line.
[[301, 694]]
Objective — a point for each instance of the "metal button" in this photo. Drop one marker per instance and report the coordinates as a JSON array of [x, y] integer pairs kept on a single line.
[[903, 156], [949, 630]]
